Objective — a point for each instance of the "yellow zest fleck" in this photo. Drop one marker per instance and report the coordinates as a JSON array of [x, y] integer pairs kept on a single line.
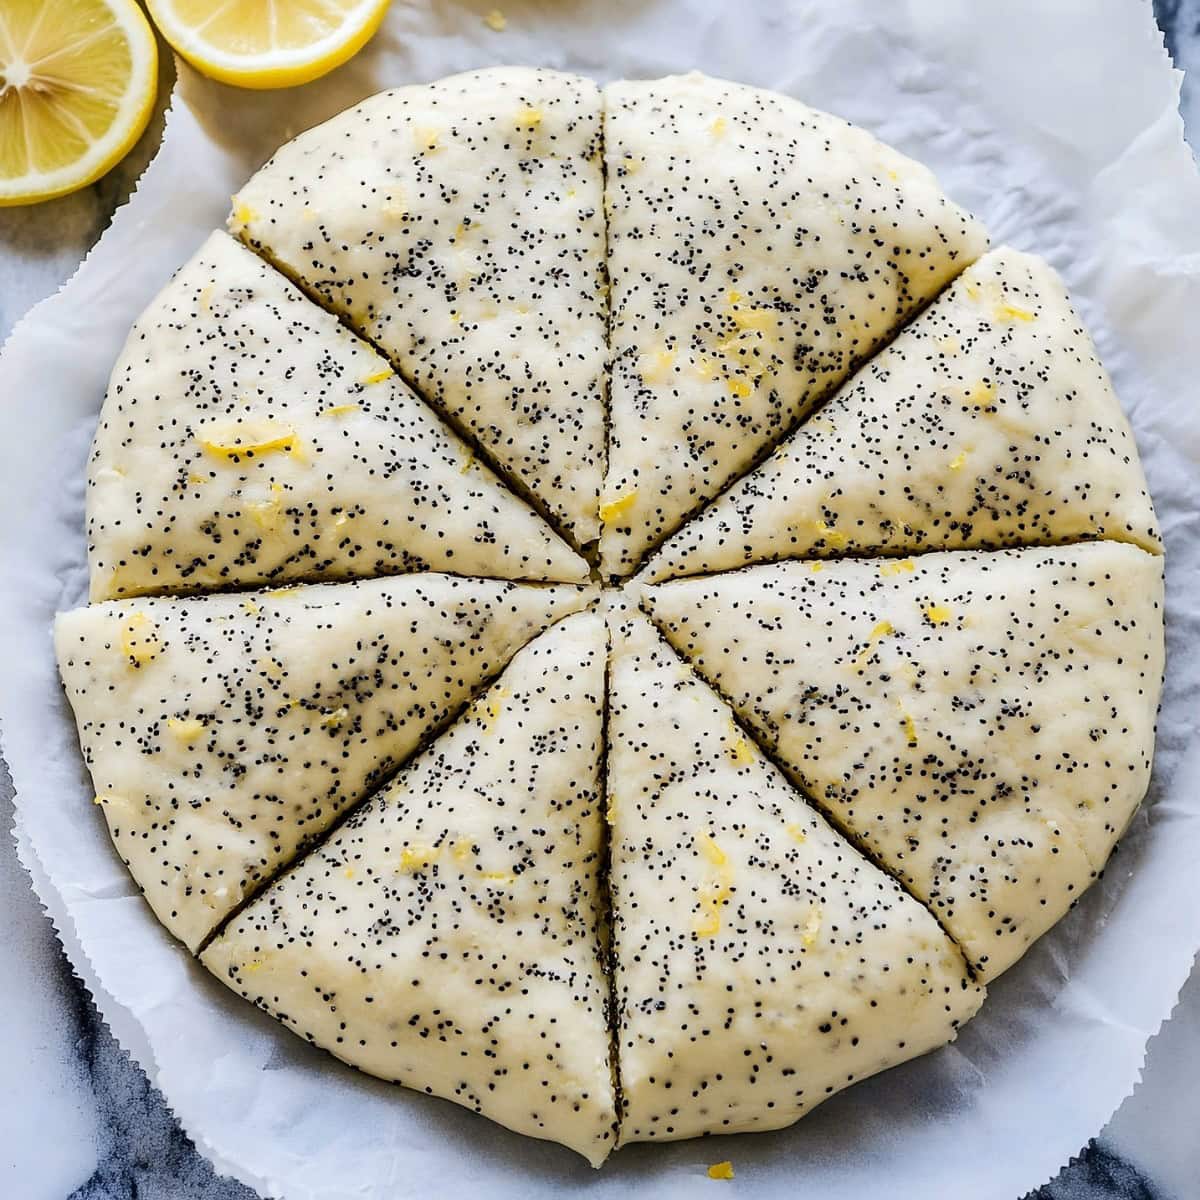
[[283, 592], [339, 410], [106, 798], [496, 21], [349, 872], [570, 193], [255, 964], [139, 640], [427, 139], [752, 318], [981, 393], [612, 510], [243, 214], [898, 567], [882, 630], [816, 567], [718, 127], [250, 608], [197, 480], [656, 367], [529, 118], [462, 850], [958, 461], [468, 462], [265, 513], [834, 537], [1010, 312], [797, 834], [973, 290], [374, 377], [714, 894], [254, 439], [739, 388], [739, 751], [733, 298], [812, 926], [456, 318], [417, 858], [186, 730], [910, 727], [492, 707], [331, 720], [892, 175], [938, 614], [709, 848], [505, 877], [721, 1170]]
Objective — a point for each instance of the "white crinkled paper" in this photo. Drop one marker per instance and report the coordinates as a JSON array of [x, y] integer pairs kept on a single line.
[[1057, 124]]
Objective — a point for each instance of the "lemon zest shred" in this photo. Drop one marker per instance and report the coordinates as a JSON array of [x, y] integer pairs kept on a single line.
[[243, 214], [721, 1170], [187, 730], [660, 368], [417, 858], [1011, 312], [812, 926], [611, 510], [712, 896]]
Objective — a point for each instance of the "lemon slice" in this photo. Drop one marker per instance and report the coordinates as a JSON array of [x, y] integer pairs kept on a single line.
[[267, 43], [77, 86]]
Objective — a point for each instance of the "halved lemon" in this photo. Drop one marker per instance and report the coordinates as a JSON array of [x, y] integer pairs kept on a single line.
[[77, 86], [267, 43]]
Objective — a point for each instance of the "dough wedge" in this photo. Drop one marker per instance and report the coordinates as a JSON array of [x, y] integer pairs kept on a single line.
[[761, 963], [759, 250], [982, 723], [988, 422], [447, 936], [248, 438], [459, 225], [223, 733]]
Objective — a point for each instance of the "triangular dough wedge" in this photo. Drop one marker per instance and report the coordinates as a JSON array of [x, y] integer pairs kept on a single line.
[[447, 937], [249, 438], [761, 963], [984, 723], [224, 732], [758, 251], [988, 422], [459, 225]]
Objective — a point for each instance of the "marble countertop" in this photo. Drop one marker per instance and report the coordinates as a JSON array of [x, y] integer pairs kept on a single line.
[[87, 1125]]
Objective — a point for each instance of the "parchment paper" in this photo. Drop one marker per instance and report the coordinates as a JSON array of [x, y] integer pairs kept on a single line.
[[1057, 123]]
